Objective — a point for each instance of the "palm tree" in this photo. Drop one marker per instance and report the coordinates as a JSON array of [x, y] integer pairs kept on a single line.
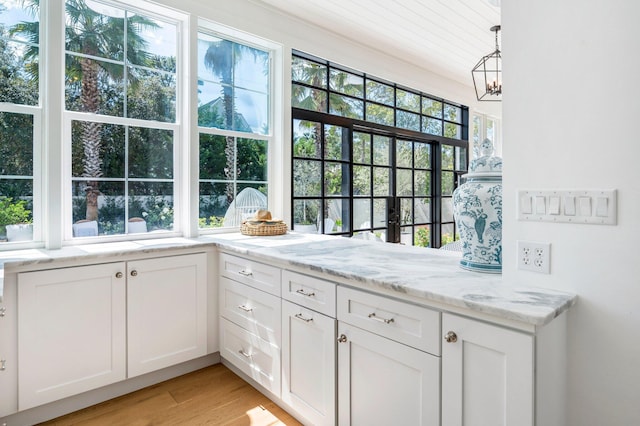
[[90, 35], [96, 35], [221, 58]]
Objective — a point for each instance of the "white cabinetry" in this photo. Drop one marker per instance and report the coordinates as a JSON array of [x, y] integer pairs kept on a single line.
[[382, 381], [166, 312], [309, 347], [71, 331], [487, 374], [76, 325], [250, 327], [396, 361]]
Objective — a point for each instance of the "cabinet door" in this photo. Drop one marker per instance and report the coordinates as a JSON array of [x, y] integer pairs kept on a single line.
[[167, 311], [309, 363], [382, 382], [487, 375], [71, 331]]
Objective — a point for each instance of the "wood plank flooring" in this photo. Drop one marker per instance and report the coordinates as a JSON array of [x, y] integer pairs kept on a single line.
[[211, 396]]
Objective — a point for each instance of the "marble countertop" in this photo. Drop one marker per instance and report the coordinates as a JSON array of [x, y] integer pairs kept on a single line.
[[92, 252], [421, 273], [418, 272]]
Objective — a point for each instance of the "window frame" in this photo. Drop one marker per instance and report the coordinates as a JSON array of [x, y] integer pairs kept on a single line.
[[52, 173], [398, 133], [38, 147], [480, 123], [155, 12], [68, 179], [274, 51], [36, 177]]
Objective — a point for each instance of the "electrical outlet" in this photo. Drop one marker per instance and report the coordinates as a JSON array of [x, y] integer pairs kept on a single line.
[[534, 256]]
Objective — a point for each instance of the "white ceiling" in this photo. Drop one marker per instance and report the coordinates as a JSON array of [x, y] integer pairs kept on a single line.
[[446, 36]]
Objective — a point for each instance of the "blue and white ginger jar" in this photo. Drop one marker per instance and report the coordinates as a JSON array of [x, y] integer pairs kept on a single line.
[[477, 209]]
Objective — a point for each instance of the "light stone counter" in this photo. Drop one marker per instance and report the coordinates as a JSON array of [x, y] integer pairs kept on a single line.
[[418, 272], [433, 275], [106, 252]]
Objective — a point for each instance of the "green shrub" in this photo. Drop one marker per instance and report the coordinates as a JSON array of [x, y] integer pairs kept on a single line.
[[12, 213]]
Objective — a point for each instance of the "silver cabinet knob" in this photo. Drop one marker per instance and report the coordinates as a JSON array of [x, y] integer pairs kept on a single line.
[[451, 337], [3, 311], [3, 364], [134, 273], [118, 274], [342, 338]]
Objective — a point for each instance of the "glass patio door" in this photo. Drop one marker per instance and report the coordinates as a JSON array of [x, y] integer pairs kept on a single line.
[[392, 190], [355, 180]]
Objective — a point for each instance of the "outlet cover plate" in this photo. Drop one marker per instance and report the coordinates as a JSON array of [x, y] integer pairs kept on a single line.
[[534, 256]]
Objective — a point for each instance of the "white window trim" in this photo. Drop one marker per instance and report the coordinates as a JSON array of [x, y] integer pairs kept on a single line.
[[36, 176], [275, 160], [179, 175], [52, 128], [497, 128]]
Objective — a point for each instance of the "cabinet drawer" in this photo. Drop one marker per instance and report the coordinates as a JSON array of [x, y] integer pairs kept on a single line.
[[255, 274], [412, 325], [254, 310], [312, 293], [255, 357]]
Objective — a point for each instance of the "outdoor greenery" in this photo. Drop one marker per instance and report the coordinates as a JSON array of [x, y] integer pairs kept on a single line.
[[13, 212], [16, 134], [120, 171], [229, 164]]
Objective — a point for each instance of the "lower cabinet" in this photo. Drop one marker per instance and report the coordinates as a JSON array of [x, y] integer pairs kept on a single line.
[[81, 328], [166, 312], [71, 331], [389, 362], [487, 374], [250, 322], [382, 382], [309, 363]]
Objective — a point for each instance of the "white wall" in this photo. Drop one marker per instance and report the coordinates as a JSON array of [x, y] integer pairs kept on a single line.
[[570, 120]]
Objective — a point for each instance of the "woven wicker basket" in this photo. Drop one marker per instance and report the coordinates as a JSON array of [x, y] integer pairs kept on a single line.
[[263, 228]]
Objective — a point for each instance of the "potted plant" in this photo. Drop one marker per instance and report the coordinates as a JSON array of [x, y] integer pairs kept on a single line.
[[15, 220], [305, 216]]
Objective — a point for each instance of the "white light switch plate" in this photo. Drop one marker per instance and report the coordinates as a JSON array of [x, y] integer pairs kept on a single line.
[[590, 206]]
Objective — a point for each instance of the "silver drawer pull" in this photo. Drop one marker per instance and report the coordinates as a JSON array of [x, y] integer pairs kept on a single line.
[[3, 311], [384, 320], [245, 273], [300, 316], [3, 364], [245, 308], [244, 354], [302, 292]]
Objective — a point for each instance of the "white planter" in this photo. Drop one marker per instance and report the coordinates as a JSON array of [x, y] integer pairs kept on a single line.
[[305, 229], [20, 232]]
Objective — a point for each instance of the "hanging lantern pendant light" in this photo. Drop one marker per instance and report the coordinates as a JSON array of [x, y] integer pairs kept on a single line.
[[487, 74]]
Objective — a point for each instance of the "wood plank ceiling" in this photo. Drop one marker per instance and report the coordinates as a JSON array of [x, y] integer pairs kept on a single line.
[[445, 36]]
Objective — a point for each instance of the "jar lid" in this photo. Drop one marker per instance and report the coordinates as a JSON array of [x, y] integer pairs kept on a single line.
[[485, 162]]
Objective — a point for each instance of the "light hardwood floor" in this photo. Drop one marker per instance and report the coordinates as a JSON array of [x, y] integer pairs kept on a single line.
[[211, 396]]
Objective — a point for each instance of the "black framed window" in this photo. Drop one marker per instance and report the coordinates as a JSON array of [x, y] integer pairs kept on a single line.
[[372, 157]]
